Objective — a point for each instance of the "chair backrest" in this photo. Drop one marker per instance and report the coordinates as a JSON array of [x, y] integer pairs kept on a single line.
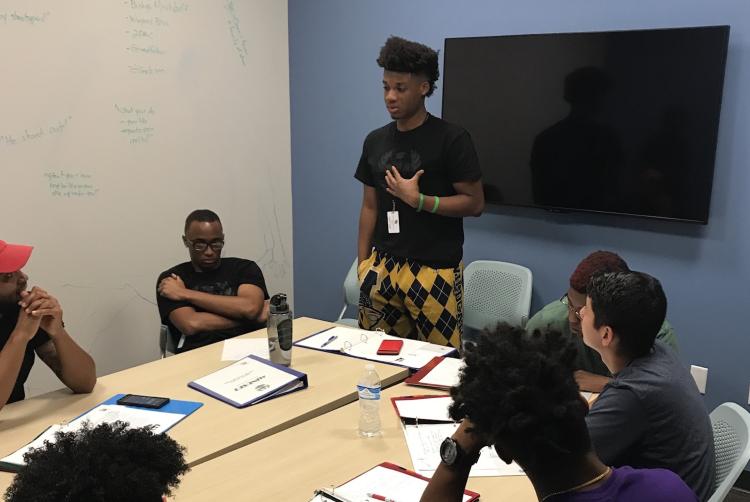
[[496, 291], [163, 337], [731, 427], [351, 286], [167, 344]]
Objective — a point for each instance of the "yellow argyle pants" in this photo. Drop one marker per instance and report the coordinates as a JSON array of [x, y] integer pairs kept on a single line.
[[409, 300]]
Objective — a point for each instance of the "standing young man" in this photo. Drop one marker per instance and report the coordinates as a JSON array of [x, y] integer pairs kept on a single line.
[[209, 298], [421, 176]]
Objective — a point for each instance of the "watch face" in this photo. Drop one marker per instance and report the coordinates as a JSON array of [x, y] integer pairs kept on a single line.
[[448, 451]]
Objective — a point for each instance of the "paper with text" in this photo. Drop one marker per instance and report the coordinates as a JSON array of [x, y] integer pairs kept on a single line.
[[364, 344], [390, 483], [104, 413], [424, 447]]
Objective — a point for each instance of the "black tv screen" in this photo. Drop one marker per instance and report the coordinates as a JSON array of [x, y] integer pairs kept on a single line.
[[617, 122]]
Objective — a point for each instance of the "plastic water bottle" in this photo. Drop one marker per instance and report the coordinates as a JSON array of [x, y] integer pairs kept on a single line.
[[368, 389], [280, 331]]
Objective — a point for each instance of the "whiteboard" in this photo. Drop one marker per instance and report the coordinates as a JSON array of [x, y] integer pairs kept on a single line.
[[118, 119]]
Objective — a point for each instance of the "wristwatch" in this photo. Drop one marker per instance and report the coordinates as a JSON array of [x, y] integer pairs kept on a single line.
[[453, 455]]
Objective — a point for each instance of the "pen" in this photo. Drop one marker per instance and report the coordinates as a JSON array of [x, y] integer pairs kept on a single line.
[[379, 497], [333, 337]]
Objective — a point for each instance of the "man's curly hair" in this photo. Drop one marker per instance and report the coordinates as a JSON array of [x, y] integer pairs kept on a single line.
[[404, 56], [108, 462], [598, 262], [518, 391]]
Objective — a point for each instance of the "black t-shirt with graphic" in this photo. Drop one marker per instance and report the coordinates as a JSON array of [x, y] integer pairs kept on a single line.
[[8, 319], [447, 155], [224, 280]]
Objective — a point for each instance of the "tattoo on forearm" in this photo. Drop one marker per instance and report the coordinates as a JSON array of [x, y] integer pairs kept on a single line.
[[48, 354]]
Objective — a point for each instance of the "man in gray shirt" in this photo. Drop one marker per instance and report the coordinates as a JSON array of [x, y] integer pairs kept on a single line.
[[650, 414]]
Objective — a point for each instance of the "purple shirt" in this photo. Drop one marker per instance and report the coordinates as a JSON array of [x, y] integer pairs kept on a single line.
[[626, 484]]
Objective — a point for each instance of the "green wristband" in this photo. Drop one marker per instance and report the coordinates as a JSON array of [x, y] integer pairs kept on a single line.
[[437, 203], [421, 202]]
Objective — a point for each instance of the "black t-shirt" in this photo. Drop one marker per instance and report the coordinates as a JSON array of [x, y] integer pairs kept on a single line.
[[224, 280], [447, 155], [8, 318]]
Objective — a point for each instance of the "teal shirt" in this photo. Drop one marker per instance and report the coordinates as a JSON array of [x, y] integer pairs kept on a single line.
[[554, 316]]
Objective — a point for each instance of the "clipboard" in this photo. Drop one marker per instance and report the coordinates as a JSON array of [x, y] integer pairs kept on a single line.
[[249, 381], [381, 479], [433, 415], [439, 373]]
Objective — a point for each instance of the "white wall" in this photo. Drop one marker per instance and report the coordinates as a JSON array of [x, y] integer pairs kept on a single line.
[[118, 118]]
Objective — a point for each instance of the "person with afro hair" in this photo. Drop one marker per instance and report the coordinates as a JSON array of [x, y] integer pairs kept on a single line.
[[420, 177], [517, 393], [561, 315], [109, 462]]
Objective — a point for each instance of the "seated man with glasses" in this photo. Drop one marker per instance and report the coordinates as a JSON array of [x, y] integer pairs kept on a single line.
[[562, 315], [210, 298]]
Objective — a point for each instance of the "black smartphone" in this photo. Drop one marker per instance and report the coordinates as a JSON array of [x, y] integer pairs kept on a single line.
[[143, 401]]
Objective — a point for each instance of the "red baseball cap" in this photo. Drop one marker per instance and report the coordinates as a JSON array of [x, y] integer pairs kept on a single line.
[[13, 257]]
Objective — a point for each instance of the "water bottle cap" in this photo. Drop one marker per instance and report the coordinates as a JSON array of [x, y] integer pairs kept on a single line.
[[278, 304], [370, 367]]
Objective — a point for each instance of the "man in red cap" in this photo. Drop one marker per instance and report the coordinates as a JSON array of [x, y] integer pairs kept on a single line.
[[31, 321]]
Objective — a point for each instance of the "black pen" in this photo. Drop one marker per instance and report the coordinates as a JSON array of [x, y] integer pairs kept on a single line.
[[333, 337]]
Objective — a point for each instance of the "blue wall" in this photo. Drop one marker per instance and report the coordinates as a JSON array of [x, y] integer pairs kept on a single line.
[[336, 100]]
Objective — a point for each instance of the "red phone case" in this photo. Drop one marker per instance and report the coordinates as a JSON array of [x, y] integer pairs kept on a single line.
[[390, 347]]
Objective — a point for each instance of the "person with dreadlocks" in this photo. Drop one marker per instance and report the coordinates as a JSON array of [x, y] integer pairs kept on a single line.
[[421, 176], [517, 393], [562, 315]]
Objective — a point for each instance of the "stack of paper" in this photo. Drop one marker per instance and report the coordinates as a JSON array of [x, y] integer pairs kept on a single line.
[[424, 439]]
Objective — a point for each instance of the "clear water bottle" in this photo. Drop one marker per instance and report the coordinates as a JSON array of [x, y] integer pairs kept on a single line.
[[368, 389], [280, 330]]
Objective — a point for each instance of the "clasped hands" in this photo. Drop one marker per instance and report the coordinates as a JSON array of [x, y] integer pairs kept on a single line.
[[39, 309]]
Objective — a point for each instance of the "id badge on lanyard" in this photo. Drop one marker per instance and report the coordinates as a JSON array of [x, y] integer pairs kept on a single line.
[[393, 227]]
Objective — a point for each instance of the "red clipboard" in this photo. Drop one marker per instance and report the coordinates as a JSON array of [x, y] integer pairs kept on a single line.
[[416, 378], [394, 401]]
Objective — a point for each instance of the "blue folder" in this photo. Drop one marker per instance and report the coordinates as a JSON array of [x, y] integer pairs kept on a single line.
[[173, 406]]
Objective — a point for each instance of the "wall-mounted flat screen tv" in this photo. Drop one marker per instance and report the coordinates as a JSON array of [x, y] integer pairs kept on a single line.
[[621, 122]]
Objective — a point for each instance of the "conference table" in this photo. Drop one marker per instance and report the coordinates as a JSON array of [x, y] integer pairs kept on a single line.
[[320, 453], [216, 428]]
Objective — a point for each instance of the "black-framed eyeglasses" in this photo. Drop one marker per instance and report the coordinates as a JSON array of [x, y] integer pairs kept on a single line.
[[200, 246], [571, 308]]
